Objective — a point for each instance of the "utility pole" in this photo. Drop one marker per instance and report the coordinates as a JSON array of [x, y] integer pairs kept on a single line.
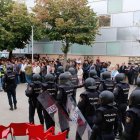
[[32, 44]]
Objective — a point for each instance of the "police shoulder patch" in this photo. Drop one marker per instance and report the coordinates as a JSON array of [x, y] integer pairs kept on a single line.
[[128, 120]]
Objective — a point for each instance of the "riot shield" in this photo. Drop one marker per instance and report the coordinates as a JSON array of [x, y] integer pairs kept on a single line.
[[83, 128], [66, 118]]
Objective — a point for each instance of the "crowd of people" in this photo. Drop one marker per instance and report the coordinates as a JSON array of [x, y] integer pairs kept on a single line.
[[24, 68], [103, 104]]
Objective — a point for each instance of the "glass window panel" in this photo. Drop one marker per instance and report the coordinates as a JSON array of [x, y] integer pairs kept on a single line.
[[104, 20], [131, 5], [114, 6], [48, 48], [130, 33], [122, 19], [136, 49], [99, 7], [39, 48], [107, 34], [57, 47], [113, 48], [16, 51], [77, 49], [81, 49], [137, 18], [126, 49], [99, 49], [87, 50]]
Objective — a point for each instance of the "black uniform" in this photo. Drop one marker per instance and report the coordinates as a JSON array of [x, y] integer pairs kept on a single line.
[[33, 90], [132, 121], [89, 100], [106, 118], [65, 89], [93, 74], [60, 70], [135, 74], [107, 84], [138, 84], [52, 89], [74, 79], [9, 86], [121, 93]]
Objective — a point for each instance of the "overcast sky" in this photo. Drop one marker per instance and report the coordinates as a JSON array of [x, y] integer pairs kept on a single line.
[[30, 3]]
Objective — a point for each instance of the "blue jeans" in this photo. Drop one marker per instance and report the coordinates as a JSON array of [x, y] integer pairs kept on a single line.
[[28, 78]]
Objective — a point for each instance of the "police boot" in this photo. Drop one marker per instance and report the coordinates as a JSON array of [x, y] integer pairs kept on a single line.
[[15, 106], [11, 107]]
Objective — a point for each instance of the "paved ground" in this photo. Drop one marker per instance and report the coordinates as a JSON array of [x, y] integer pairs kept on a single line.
[[21, 114]]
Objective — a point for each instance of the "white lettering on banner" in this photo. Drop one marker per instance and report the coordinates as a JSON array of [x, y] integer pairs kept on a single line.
[[110, 120], [51, 109], [75, 117]]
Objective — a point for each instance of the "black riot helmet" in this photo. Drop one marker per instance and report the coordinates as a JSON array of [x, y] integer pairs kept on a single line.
[[9, 68], [65, 78], [49, 78], [134, 98], [138, 82], [107, 98], [92, 73], [119, 77], [106, 75], [36, 77], [72, 71], [90, 83], [60, 69]]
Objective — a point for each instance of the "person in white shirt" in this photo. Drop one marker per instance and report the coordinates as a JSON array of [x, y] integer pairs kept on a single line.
[[36, 68], [22, 71], [80, 73], [114, 72]]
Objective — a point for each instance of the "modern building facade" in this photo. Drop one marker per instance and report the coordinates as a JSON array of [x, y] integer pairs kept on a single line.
[[119, 34], [120, 37]]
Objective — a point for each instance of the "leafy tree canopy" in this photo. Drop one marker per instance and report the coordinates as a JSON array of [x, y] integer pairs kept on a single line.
[[71, 21], [15, 25]]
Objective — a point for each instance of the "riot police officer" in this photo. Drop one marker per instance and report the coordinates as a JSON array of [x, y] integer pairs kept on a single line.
[[74, 78], [51, 87], [65, 91], [9, 86], [32, 91], [121, 92], [106, 118], [106, 83], [93, 74], [132, 121], [138, 84], [88, 102], [60, 70]]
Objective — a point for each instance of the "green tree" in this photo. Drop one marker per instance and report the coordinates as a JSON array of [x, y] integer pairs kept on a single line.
[[70, 21], [15, 26]]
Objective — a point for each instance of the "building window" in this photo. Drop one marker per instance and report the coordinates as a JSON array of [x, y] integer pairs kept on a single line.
[[104, 20], [114, 6], [122, 20], [100, 7]]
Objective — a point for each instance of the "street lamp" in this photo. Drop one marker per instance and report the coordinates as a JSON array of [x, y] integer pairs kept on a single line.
[[32, 40]]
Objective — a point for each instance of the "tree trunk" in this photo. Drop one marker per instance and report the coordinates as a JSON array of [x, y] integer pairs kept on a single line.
[[65, 51], [10, 54], [65, 60]]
